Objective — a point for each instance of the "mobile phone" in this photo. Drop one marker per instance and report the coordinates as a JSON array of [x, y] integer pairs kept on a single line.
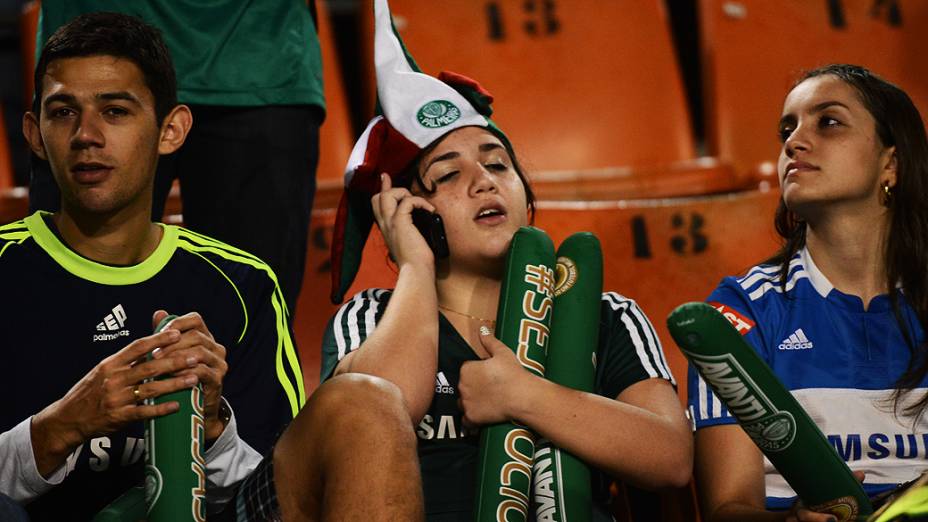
[[432, 229]]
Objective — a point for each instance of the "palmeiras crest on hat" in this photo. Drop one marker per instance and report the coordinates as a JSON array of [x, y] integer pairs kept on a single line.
[[415, 110]]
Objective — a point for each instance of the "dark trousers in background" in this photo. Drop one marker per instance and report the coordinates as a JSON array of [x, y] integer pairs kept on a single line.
[[248, 177]]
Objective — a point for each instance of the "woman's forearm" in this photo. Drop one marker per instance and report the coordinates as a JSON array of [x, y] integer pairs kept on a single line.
[[648, 448], [404, 347]]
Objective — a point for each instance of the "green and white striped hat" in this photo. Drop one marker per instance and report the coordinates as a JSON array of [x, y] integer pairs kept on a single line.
[[414, 111]]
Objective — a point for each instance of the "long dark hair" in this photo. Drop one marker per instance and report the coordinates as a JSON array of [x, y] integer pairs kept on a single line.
[[899, 124]]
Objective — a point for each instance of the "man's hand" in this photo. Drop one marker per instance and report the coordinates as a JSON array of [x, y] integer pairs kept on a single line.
[[207, 360], [105, 400], [491, 388]]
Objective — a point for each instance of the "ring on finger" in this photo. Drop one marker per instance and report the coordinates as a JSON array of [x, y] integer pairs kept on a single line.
[[137, 393]]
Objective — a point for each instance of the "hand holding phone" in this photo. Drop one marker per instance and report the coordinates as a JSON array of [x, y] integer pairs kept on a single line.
[[432, 229]]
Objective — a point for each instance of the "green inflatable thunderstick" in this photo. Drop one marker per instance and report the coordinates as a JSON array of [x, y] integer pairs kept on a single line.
[[561, 482], [767, 412], [175, 472], [128, 507], [523, 319]]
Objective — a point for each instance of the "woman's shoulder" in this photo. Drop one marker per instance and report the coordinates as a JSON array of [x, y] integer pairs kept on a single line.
[[366, 303], [616, 304], [758, 282], [356, 318], [618, 308], [369, 296], [615, 300]]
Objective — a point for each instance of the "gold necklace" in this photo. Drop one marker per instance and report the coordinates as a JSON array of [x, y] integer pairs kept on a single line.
[[482, 320]]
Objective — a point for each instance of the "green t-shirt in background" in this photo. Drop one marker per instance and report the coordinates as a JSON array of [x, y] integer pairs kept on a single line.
[[226, 52]]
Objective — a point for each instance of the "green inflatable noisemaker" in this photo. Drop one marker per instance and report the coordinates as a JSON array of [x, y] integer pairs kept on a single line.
[[561, 482], [523, 319], [175, 471], [768, 412]]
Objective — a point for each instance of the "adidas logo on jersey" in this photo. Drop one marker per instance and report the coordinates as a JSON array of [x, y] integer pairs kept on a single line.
[[796, 341], [114, 323], [442, 385]]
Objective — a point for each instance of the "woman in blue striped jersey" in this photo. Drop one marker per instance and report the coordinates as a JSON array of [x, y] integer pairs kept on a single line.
[[839, 312]]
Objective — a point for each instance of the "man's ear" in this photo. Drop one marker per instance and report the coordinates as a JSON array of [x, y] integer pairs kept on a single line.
[[33, 135], [174, 129]]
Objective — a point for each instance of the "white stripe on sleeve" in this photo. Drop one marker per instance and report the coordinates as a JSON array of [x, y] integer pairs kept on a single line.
[[654, 343], [639, 346]]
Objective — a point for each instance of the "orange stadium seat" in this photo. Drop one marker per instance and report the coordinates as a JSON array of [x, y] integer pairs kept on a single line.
[[583, 84], [28, 26], [575, 96], [7, 180], [14, 204], [753, 50], [13, 200], [335, 137]]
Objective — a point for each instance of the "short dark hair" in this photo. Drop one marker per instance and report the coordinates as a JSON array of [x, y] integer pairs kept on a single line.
[[119, 35]]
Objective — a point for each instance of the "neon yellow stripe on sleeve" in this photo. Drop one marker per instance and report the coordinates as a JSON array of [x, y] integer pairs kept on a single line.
[[193, 250], [12, 242], [233, 254], [296, 396], [18, 235], [15, 226]]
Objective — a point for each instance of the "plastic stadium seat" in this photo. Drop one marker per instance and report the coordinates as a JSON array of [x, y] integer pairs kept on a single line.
[[583, 84], [335, 137], [14, 202], [28, 26], [6, 159], [753, 50], [682, 178], [14, 205]]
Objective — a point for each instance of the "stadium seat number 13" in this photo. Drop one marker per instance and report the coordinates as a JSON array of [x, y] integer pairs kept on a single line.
[[687, 235]]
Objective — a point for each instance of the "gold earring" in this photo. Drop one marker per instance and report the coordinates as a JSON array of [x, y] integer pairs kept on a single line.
[[887, 194]]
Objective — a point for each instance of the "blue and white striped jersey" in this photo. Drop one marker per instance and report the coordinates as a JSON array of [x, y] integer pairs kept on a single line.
[[840, 361]]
